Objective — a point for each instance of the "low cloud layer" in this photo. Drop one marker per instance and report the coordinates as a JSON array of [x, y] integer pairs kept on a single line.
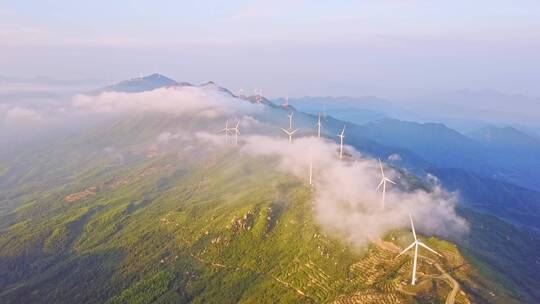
[[345, 196], [18, 114], [187, 100]]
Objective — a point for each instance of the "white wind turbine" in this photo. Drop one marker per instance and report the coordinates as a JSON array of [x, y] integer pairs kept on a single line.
[[415, 244], [290, 133], [226, 130], [383, 182], [290, 115], [319, 125], [341, 136], [236, 132]]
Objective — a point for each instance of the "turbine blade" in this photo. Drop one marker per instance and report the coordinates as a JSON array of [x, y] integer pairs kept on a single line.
[[380, 184], [380, 165], [389, 180], [294, 131], [284, 130], [425, 246], [405, 250]]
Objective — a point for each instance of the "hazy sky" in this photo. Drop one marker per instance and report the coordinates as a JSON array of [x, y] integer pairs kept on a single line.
[[384, 47]]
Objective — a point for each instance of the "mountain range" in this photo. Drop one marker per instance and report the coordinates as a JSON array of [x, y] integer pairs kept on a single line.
[[110, 215]]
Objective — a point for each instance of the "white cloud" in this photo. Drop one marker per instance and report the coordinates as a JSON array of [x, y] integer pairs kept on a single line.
[[19, 114], [394, 157], [345, 196], [176, 101]]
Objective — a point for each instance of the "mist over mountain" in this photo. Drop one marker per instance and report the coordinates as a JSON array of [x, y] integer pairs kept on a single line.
[[484, 105], [484, 108], [506, 137]]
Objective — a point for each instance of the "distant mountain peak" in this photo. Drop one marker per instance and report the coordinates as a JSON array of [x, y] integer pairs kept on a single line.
[[214, 86], [141, 84], [505, 136]]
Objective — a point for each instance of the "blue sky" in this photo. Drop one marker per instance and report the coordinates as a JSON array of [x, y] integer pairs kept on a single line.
[[384, 47]]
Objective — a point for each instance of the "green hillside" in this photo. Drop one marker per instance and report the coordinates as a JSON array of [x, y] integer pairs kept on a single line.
[[205, 227]]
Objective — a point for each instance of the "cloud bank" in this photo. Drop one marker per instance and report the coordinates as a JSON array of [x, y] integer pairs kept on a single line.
[[344, 191], [185, 100]]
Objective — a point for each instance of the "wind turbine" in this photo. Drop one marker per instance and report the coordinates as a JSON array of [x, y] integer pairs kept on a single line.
[[341, 136], [415, 244], [236, 132], [319, 125], [226, 130], [289, 132], [290, 115], [384, 179]]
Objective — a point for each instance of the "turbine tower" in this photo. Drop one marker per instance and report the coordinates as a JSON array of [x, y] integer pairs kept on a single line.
[[341, 136], [236, 132], [290, 115], [319, 125], [384, 179], [310, 170], [415, 244], [226, 130]]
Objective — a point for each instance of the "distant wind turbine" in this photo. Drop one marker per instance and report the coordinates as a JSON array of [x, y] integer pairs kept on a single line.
[[226, 130], [236, 132], [415, 244], [341, 136], [289, 132], [319, 125], [290, 115], [384, 179]]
